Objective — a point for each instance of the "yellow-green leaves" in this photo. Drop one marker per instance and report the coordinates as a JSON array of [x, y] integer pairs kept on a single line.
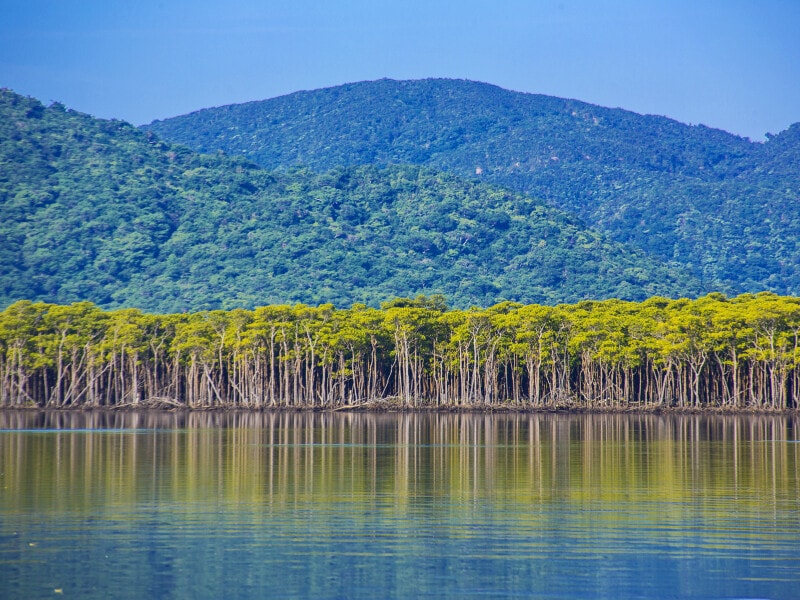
[[712, 351]]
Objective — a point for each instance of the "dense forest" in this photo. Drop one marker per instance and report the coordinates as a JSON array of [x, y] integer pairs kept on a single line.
[[721, 207], [102, 225], [100, 211], [739, 353]]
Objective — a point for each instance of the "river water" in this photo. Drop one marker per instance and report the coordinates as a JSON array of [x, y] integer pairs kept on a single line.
[[354, 505]]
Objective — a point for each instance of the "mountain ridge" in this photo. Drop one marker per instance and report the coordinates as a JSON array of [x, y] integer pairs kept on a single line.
[[719, 205], [99, 210]]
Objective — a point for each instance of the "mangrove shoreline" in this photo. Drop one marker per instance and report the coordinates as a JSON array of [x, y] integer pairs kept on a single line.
[[713, 354]]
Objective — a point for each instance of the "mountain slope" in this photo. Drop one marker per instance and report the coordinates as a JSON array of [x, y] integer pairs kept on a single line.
[[718, 205], [98, 210]]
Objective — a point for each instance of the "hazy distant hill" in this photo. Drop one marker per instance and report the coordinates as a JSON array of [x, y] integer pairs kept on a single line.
[[99, 210], [719, 205]]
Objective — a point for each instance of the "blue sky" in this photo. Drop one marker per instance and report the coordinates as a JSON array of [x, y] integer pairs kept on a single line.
[[729, 64]]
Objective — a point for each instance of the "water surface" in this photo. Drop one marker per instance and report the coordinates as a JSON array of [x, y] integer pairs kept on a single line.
[[338, 505]]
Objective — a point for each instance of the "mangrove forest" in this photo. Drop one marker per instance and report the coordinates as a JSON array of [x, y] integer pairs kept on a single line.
[[714, 351]]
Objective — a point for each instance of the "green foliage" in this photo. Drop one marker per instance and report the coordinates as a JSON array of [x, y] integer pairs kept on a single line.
[[742, 352], [98, 210], [716, 205]]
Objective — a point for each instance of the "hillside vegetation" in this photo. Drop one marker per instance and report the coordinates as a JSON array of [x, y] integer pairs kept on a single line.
[[721, 207], [101, 211]]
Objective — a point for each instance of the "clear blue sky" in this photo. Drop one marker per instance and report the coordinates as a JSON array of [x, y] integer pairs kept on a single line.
[[731, 64]]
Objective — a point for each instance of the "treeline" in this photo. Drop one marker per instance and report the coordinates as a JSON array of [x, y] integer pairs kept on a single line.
[[741, 352]]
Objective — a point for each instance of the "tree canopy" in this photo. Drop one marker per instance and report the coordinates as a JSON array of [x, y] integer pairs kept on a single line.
[[733, 353]]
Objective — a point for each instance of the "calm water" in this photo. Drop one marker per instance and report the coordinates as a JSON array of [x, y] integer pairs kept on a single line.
[[343, 505]]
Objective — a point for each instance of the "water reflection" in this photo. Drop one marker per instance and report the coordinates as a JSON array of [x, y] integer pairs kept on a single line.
[[92, 460], [361, 505]]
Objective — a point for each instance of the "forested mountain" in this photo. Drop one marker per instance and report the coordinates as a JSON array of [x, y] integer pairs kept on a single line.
[[721, 206], [99, 210]]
